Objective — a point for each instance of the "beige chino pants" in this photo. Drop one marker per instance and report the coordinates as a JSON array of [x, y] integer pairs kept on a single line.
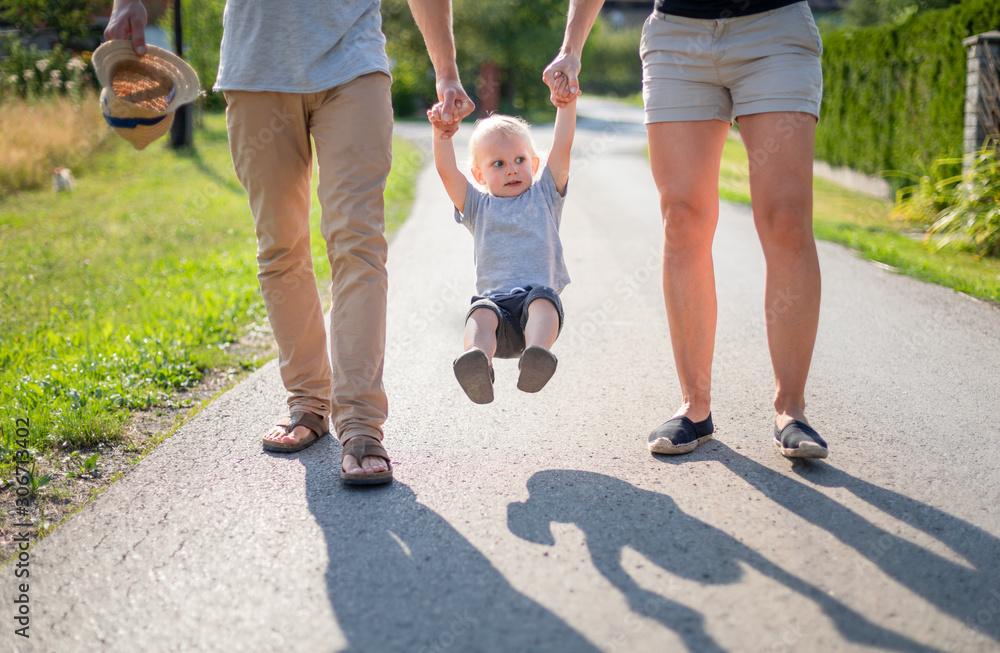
[[269, 138]]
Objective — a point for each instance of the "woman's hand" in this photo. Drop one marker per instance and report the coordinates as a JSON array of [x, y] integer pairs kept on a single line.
[[561, 78]]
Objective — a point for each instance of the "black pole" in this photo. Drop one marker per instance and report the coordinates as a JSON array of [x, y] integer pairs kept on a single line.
[[181, 132]]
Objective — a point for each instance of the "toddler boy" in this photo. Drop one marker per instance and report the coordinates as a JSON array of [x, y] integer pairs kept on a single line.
[[514, 222]]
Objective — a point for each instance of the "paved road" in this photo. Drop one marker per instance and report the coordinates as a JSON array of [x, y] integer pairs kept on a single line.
[[540, 522]]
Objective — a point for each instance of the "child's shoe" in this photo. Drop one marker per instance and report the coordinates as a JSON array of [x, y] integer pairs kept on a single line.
[[475, 375], [537, 366]]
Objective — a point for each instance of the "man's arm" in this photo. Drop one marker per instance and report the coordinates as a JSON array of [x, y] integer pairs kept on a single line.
[[128, 18], [455, 183], [562, 144], [582, 14], [433, 17]]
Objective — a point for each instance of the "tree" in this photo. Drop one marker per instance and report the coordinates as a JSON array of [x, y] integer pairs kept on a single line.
[[519, 37], [69, 18], [202, 24]]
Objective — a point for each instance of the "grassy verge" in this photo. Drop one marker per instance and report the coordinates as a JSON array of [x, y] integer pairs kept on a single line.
[[38, 135], [130, 290], [863, 224]]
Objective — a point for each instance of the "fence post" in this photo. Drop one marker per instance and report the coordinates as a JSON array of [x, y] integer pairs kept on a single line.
[[182, 131], [982, 92]]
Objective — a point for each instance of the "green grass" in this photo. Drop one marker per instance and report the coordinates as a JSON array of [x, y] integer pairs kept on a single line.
[[862, 223], [635, 99], [132, 287]]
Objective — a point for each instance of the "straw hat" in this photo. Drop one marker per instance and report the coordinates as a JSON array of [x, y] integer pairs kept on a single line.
[[141, 93]]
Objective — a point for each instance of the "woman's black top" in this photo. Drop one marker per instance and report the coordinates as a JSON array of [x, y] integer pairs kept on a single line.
[[718, 8]]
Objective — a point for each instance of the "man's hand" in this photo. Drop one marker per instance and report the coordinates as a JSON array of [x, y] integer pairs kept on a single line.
[[128, 18], [433, 18], [453, 105], [561, 78]]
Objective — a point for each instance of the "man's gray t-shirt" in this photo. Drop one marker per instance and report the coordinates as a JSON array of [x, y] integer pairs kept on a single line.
[[299, 46], [516, 238]]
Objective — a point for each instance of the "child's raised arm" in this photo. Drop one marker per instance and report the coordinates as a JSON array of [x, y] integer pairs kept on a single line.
[[455, 183], [562, 143]]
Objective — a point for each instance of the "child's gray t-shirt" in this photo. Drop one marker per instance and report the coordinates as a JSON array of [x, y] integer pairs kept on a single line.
[[299, 46], [516, 238]]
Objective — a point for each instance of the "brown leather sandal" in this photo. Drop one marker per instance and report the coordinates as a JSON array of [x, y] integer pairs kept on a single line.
[[318, 427], [360, 446]]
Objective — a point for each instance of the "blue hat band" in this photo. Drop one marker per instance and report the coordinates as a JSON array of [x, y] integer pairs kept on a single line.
[[131, 123]]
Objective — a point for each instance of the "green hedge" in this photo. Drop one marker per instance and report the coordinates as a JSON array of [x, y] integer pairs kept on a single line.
[[894, 96]]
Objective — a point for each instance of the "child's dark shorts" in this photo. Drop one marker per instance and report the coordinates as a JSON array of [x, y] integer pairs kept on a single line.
[[512, 314]]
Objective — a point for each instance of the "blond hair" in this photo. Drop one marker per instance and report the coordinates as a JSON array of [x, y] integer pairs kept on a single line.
[[501, 125]]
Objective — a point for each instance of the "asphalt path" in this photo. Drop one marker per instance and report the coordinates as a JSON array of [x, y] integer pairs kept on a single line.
[[541, 522]]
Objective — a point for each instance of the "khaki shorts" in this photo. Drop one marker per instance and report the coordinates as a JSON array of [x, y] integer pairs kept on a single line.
[[705, 69]]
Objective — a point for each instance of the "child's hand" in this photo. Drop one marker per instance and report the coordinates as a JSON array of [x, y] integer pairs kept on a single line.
[[561, 92], [442, 129]]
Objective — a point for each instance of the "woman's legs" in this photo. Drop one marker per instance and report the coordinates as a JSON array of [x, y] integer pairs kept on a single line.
[[685, 159], [780, 148]]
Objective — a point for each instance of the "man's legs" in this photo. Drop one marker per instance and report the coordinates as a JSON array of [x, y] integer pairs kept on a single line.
[[269, 142], [352, 127], [780, 146]]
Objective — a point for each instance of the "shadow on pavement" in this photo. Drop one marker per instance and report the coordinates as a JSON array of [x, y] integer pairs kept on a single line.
[[614, 514], [401, 578], [970, 594]]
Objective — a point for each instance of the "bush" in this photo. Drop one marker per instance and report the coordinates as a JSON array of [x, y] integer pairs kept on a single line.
[[866, 13], [961, 211], [29, 73], [894, 96]]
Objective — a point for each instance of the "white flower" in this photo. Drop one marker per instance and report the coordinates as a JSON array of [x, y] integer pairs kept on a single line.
[[76, 63], [12, 80], [29, 74], [70, 86], [42, 64], [55, 75]]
